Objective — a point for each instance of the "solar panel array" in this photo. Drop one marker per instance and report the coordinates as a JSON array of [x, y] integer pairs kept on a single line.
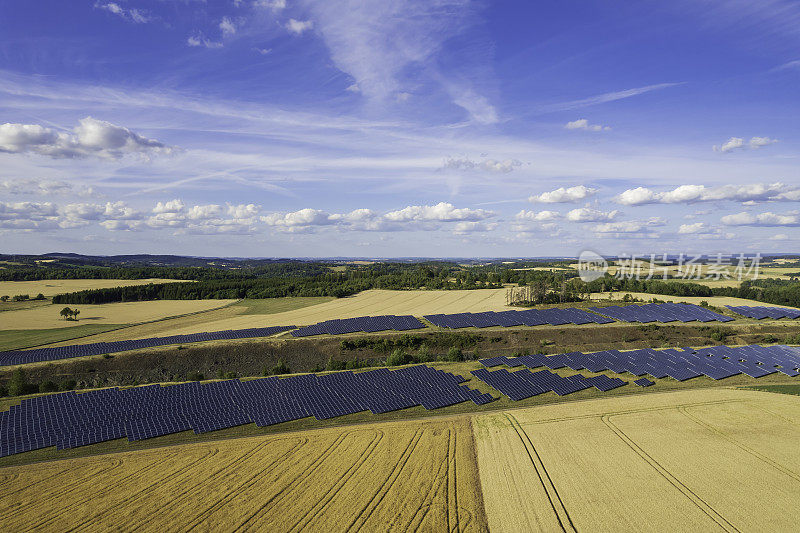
[[716, 362], [19, 357], [528, 317], [761, 312], [643, 382], [524, 383], [69, 420], [667, 312], [367, 324]]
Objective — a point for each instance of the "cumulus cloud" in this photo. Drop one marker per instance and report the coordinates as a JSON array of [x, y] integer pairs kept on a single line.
[[91, 137], [736, 143], [442, 212], [756, 192], [275, 5], [537, 216], [487, 165], [762, 219], [641, 227], [28, 216], [297, 27], [564, 195], [583, 124], [586, 214]]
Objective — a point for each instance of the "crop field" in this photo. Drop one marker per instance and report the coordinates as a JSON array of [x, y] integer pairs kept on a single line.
[[687, 461], [51, 287], [419, 476], [47, 317], [719, 301], [371, 302]]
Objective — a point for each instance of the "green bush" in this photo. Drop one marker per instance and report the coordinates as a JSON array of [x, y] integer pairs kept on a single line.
[[195, 376], [281, 368], [399, 357], [333, 364], [68, 384], [231, 375], [18, 384], [3, 392], [48, 386], [454, 354]]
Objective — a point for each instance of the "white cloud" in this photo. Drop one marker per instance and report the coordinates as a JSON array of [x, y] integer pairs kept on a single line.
[[199, 39], [35, 186], [585, 214], [735, 143], [91, 137], [487, 165], [768, 219], [173, 206], [606, 97], [137, 16], [780, 237], [297, 27], [227, 26], [756, 192], [275, 5], [583, 124], [377, 43], [463, 228], [564, 195], [303, 217], [697, 227], [641, 227], [443, 212], [537, 216]]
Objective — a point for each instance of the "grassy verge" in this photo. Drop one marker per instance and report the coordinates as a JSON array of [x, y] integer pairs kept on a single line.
[[783, 388], [268, 306], [16, 339]]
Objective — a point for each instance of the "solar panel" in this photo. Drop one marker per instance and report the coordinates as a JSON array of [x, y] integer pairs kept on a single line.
[[69, 419]]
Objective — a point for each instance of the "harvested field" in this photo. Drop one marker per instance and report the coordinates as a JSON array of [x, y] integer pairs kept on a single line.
[[47, 317], [696, 460], [51, 287], [719, 301], [372, 302], [410, 475]]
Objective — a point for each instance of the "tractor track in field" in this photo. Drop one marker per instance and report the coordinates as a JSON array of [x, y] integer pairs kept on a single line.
[[755, 453], [363, 516], [331, 493], [704, 506], [300, 442], [284, 492], [143, 492], [559, 509]]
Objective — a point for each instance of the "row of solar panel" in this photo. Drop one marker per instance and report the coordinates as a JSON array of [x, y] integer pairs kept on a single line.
[[367, 324], [528, 317], [18, 357], [716, 362], [666, 312], [762, 312], [524, 383], [67, 420]]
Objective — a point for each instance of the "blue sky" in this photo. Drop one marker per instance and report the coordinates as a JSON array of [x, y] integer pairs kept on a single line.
[[406, 128]]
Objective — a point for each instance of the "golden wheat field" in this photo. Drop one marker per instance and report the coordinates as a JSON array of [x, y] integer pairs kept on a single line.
[[50, 287], [47, 316], [392, 476], [685, 461], [371, 302]]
